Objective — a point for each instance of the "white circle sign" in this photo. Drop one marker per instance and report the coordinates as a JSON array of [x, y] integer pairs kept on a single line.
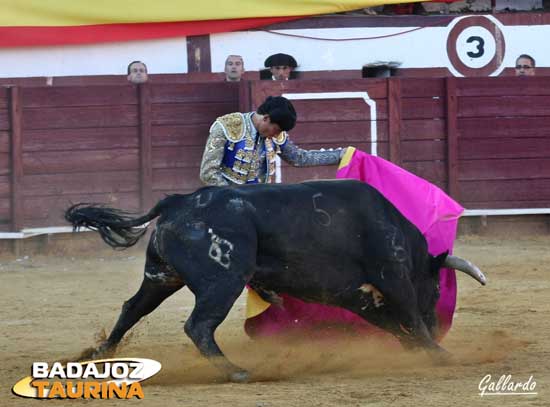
[[476, 47]]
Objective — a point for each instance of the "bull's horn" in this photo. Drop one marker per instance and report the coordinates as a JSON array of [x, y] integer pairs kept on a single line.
[[467, 267]]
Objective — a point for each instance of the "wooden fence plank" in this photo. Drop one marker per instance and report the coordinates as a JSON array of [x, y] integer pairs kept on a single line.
[[521, 147], [423, 87], [491, 127], [394, 119], [66, 96], [145, 147], [422, 108], [504, 106], [195, 92], [5, 164], [506, 190], [180, 134], [16, 170], [511, 86], [452, 138], [4, 142], [80, 140], [190, 113], [343, 132], [376, 88], [5, 214], [245, 97], [80, 183], [423, 150], [423, 129], [56, 162], [512, 204], [4, 119], [4, 98], [177, 157], [5, 186], [176, 179], [493, 169], [80, 117], [338, 110]]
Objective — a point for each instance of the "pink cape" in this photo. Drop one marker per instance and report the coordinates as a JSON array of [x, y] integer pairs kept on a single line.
[[433, 212]]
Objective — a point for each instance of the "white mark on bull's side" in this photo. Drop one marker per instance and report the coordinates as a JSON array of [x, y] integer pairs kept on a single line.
[[377, 296], [202, 200], [236, 204], [155, 239], [220, 250], [162, 277], [324, 217]]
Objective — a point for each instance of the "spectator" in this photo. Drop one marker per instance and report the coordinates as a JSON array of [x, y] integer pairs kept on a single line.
[[280, 66], [137, 72], [525, 65], [234, 68]]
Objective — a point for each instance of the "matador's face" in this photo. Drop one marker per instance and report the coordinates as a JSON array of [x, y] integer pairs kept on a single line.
[[267, 128], [281, 72]]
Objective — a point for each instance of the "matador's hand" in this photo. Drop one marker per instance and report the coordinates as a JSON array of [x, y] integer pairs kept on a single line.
[[343, 151]]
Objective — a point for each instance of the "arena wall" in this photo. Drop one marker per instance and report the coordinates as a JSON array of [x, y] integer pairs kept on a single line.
[[482, 140]]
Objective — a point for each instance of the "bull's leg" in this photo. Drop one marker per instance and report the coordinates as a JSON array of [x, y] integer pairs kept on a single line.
[[211, 308], [159, 282], [215, 264], [149, 296]]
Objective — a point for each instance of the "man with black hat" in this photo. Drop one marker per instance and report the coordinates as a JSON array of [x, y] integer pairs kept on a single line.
[[281, 66], [242, 147]]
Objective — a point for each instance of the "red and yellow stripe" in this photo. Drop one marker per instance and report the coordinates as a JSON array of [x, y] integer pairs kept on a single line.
[[63, 22]]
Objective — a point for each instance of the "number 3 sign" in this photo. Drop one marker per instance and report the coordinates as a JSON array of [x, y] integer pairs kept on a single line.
[[475, 46]]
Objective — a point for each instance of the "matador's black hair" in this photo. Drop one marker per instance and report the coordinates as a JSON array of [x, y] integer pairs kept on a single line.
[[280, 112]]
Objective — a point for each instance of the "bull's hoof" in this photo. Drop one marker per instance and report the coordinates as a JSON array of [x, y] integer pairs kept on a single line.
[[441, 357], [103, 351], [241, 376]]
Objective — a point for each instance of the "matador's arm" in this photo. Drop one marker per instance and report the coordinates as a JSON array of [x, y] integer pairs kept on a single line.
[[210, 171], [299, 157]]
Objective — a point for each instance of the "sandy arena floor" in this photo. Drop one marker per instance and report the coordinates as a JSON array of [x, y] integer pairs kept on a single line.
[[53, 308]]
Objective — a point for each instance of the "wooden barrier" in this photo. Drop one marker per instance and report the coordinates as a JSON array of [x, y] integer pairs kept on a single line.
[[122, 145], [485, 141]]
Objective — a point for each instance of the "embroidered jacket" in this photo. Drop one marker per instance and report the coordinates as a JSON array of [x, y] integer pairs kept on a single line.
[[236, 154]]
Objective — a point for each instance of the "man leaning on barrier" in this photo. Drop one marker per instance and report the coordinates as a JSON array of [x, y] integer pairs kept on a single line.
[[242, 147]]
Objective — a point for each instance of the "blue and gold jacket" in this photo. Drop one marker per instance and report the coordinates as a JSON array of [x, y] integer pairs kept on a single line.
[[247, 158], [236, 154]]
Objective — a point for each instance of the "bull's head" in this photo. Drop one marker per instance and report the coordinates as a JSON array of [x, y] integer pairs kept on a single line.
[[428, 293], [429, 290]]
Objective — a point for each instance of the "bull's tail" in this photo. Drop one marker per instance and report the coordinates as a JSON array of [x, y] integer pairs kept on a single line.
[[117, 228]]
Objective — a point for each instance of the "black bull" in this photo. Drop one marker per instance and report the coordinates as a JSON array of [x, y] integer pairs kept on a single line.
[[331, 242]]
